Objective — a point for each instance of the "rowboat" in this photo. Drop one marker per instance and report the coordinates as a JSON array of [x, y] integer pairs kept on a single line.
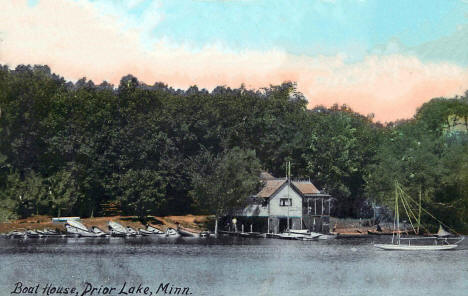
[[78, 229], [172, 233], [98, 231], [155, 231], [131, 231], [116, 229]]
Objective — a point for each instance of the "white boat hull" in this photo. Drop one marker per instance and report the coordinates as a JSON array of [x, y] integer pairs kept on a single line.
[[327, 236], [415, 247]]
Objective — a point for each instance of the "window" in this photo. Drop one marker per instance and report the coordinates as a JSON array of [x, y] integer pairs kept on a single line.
[[285, 202]]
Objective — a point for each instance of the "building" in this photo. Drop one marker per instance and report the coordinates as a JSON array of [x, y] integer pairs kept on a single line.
[[283, 204]]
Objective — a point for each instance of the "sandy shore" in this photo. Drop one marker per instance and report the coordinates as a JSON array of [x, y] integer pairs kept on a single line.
[[193, 223]]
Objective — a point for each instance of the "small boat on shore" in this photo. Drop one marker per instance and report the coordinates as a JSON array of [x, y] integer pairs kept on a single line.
[[131, 231], [78, 229], [305, 234], [144, 232], [16, 234], [116, 229], [294, 235], [205, 234], [172, 233], [153, 229], [33, 234], [98, 231], [187, 233], [48, 232]]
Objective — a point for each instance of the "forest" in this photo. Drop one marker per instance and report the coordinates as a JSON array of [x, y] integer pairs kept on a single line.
[[134, 149]]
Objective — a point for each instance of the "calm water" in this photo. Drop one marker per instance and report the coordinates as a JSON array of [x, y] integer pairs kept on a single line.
[[233, 266]]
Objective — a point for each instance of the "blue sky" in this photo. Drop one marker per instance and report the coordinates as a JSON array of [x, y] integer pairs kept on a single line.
[[385, 57], [302, 27]]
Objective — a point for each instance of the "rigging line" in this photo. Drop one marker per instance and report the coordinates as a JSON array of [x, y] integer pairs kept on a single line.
[[403, 194], [442, 223], [414, 203], [407, 214], [414, 215], [407, 207]]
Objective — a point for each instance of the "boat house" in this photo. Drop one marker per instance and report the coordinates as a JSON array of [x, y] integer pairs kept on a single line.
[[284, 203]]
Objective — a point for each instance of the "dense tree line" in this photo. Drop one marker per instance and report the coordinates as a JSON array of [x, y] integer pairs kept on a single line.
[[85, 149]]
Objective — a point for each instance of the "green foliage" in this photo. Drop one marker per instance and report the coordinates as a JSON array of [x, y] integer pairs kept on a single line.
[[223, 182], [420, 156], [341, 147], [141, 192], [76, 148]]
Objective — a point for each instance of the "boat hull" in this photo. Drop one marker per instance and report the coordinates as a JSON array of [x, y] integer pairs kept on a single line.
[[393, 247]]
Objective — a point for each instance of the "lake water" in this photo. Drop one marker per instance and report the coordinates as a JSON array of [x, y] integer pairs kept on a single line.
[[230, 266]]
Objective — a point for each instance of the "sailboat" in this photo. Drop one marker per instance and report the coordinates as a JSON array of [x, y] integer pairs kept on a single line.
[[440, 240]]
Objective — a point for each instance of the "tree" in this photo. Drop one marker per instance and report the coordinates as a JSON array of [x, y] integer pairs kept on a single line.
[[341, 146], [64, 192], [141, 192], [222, 183]]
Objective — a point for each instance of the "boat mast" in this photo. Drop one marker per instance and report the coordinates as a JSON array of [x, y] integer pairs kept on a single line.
[[395, 214], [398, 218], [419, 210], [288, 171]]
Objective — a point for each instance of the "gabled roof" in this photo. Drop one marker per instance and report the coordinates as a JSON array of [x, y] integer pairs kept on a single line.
[[272, 185], [306, 187]]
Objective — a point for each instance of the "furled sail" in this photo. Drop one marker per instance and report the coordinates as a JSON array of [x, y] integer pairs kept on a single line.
[[442, 232]]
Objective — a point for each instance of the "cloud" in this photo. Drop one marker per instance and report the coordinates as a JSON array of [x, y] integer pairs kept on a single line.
[[75, 39]]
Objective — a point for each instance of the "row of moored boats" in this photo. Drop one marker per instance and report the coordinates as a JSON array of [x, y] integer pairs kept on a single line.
[[77, 229], [291, 234]]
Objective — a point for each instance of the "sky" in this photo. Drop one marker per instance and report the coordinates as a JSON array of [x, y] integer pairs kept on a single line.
[[377, 56]]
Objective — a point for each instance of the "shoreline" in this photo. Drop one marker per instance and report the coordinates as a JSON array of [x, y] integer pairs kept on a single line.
[[192, 223]]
